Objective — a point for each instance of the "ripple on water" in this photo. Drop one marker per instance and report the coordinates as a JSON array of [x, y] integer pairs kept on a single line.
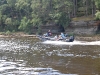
[[38, 52], [12, 68], [10, 45]]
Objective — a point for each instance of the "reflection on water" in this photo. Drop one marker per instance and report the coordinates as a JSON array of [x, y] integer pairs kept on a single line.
[[28, 56]]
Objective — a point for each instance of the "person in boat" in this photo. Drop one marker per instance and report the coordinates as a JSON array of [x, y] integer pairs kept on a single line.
[[66, 35], [63, 35], [71, 39], [49, 33]]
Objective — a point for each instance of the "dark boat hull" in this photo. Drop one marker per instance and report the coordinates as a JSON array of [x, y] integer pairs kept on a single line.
[[42, 38]]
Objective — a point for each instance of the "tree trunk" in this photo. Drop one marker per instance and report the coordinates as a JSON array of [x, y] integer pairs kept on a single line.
[[74, 8], [92, 8], [86, 12]]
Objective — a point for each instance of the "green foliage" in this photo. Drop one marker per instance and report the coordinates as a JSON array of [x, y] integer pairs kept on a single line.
[[11, 2], [61, 18], [0, 18], [24, 24], [39, 30], [23, 15], [8, 21], [97, 3], [9, 24], [8, 32], [98, 15], [64, 20], [35, 21], [3, 8], [21, 4]]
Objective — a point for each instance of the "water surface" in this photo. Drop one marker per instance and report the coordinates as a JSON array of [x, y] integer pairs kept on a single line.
[[28, 56]]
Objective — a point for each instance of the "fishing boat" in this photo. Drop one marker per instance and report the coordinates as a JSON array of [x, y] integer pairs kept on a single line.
[[56, 38]]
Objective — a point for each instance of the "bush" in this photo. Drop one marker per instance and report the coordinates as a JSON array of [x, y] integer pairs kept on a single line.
[[98, 15], [8, 32]]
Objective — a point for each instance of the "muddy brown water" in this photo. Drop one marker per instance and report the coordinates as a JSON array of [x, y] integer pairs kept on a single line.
[[29, 56]]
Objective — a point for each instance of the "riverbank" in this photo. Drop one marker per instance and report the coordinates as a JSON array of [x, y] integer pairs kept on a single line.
[[16, 34], [95, 37], [88, 38]]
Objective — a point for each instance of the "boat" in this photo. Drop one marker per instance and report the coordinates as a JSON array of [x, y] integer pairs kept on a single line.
[[55, 38]]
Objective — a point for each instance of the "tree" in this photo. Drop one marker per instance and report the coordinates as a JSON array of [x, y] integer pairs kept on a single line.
[[8, 23], [24, 24], [60, 13], [42, 12], [97, 3]]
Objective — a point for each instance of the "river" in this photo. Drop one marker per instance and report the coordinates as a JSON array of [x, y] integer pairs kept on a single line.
[[29, 56]]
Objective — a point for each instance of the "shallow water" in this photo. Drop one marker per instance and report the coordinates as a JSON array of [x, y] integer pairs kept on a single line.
[[28, 56]]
